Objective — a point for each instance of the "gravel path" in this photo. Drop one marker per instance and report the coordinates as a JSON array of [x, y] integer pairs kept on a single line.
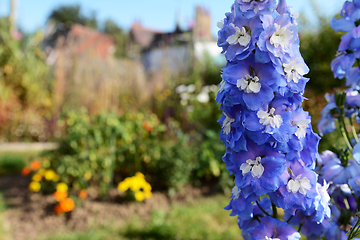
[[23, 147]]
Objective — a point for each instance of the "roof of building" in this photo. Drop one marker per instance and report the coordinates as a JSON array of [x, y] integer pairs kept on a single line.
[[143, 36]]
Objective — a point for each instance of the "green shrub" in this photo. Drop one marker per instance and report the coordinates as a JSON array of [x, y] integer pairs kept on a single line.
[[10, 164], [102, 150]]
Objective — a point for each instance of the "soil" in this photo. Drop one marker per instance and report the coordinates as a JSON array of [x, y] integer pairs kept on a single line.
[[30, 215]]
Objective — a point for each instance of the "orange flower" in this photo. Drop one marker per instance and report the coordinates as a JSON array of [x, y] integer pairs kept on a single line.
[[35, 165], [58, 210], [60, 195], [83, 194], [25, 171], [67, 205], [147, 126]]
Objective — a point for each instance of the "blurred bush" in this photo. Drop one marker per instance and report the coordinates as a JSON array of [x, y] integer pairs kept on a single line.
[[104, 149], [25, 89]]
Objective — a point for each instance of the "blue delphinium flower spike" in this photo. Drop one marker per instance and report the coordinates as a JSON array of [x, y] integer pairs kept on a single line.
[[271, 148]]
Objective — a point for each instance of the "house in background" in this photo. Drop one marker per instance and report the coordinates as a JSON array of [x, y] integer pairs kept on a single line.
[[173, 52], [86, 72]]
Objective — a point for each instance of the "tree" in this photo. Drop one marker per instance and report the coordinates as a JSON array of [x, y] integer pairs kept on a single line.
[[68, 15], [120, 37]]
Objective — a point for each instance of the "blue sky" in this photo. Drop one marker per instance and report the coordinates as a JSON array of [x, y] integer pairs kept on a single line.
[[155, 14]]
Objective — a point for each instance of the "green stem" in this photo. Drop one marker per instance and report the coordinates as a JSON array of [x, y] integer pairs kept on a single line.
[[300, 226], [353, 130], [275, 213], [262, 209], [290, 218], [344, 133]]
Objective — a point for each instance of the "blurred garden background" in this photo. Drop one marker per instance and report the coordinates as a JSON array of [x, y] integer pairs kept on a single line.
[[110, 132]]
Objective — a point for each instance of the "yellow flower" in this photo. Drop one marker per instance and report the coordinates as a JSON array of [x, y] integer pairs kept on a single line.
[[62, 187], [87, 175], [147, 194], [37, 177], [34, 186], [140, 175], [136, 183], [123, 186], [139, 196], [49, 175], [147, 187]]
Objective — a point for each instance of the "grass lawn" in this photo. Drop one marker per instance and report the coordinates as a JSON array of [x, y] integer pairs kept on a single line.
[[13, 162]]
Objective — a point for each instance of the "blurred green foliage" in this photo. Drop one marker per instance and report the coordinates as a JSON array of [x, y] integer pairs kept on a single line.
[[102, 150], [10, 164], [72, 14], [119, 35], [25, 86], [318, 48]]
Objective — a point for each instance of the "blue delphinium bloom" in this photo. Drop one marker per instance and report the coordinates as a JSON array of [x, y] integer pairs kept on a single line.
[[241, 206], [349, 48], [271, 228], [252, 7], [341, 65], [238, 35], [271, 148], [354, 183], [247, 225], [278, 39], [259, 169], [249, 83], [334, 171]]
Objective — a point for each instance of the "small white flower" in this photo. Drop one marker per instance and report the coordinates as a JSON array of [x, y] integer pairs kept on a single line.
[[191, 88], [227, 124], [253, 166], [294, 70], [249, 84], [281, 36], [270, 118], [240, 36], [203, 97], [213, 88], [299, 185], [181, 88], [185, 96]]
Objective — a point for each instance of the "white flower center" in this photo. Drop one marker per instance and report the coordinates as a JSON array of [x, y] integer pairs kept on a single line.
[[281, 36], [227, 124], [249, 84], [270, 118], [299, 185], [220, 24], [294, 70], [253, 166], [323, 191], [267, 238], [252, 1], [236, 192], [302, 125], [240, 36]]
